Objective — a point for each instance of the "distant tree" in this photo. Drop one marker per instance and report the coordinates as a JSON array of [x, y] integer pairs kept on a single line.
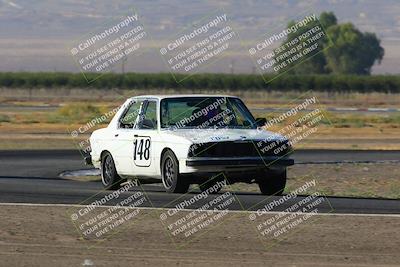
[[317, 63], [352, 52], [327, 19]]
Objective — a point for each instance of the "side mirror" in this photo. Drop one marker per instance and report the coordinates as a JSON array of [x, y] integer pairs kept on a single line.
[[261, 122]]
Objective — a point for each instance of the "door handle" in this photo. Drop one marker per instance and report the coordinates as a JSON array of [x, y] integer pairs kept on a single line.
[[116, 135]]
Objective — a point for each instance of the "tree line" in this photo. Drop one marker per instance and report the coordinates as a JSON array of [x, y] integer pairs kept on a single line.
[[206, 81]]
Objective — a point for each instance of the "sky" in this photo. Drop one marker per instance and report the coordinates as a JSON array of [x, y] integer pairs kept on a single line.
[[39, 35]]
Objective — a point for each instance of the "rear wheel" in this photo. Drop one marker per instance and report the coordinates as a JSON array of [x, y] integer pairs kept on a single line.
[[273, 182], [172, 180], [109, 176]]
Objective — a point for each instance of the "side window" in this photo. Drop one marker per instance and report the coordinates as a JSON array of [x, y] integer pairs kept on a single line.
[[129, 118], [149, 117]]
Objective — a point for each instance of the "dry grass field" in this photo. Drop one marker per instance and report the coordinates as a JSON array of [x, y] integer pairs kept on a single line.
[[44, 118]]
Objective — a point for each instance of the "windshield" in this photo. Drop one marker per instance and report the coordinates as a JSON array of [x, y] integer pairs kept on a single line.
[[205, 112]]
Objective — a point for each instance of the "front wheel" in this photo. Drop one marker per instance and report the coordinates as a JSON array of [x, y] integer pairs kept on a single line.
[[172, 180], [273, 182], [109, 176]]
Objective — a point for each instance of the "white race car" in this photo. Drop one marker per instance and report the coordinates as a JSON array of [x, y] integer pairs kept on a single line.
[[189, 139]]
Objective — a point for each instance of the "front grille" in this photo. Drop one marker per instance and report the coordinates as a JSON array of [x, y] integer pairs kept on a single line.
[[240, 149]]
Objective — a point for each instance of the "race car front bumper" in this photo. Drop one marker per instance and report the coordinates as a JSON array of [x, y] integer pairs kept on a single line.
[[240, 162]]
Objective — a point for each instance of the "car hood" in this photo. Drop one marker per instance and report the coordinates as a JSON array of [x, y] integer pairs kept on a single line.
[[223, 135]]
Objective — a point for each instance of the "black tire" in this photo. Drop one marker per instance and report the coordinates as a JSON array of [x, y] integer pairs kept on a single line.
[[173, 182], [273, 182], [208, 184], [109, 176]]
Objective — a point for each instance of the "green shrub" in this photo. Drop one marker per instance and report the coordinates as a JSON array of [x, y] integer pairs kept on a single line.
[[78, 113], [4, 118]]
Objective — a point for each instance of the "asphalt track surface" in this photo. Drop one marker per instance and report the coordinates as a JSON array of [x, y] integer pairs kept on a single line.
[[32, 177]]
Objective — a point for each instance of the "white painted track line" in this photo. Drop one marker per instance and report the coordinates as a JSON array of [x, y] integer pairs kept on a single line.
[[230, 211]]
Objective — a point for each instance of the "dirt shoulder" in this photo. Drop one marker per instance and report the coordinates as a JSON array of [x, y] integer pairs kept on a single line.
[[45, 236], [371, 180]]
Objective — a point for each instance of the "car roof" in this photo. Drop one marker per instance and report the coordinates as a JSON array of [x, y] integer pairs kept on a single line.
[[159, 97]]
